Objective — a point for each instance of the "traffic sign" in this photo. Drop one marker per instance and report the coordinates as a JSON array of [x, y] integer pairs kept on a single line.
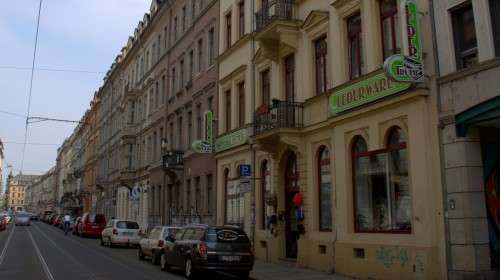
[[245, 170]]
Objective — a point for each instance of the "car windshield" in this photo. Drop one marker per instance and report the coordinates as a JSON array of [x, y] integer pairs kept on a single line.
[[127, 225], [170, 232], [227, 235], [23, 215]]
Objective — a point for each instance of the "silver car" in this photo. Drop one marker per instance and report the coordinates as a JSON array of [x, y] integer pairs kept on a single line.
[[22, 219], [152, 245]]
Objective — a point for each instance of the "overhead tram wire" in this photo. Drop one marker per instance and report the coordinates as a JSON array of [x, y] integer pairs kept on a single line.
[[31, 85], [53, 70]]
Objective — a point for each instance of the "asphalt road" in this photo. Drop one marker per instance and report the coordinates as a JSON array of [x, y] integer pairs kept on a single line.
[[42, 252]]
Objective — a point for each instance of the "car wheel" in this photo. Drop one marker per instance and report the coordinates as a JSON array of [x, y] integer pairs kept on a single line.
[[164, 263], [189, 271], [140, 254], [155, 258], [243, 274], [102, 242]]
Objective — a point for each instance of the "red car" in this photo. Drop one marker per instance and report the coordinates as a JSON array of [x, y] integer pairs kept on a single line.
[[91, 225], [57, 221], [3, 223]]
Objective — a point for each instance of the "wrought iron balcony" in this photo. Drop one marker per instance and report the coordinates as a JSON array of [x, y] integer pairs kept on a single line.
[[273, 10], [282, 114], [173, 160]]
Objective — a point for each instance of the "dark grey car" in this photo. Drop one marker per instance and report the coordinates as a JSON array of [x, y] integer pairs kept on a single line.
[[199, 248]]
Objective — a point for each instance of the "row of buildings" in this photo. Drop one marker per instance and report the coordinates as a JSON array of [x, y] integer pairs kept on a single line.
[[359, 136]]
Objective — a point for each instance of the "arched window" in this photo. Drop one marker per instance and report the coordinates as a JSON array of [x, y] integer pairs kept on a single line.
[[264, 191], [381, 186], [325, 189]]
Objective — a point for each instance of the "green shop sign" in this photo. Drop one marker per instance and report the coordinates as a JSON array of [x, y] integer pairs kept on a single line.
[[205, 146], [409, 66], [231, 140], [365, 91]]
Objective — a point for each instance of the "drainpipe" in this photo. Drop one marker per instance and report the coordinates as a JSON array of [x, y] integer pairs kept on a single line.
[[440, 137]]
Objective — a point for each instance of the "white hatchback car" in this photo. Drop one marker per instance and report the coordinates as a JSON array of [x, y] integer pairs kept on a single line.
[[121, 232]]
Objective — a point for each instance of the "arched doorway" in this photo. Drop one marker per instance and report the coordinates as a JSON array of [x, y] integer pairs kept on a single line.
[[291, 188]]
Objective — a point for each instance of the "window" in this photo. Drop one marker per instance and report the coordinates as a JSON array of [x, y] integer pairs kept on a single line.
[[495, 23], [210, 102], [190, 128], [241, 19], [175, 29], [226, 195], [163, 89], [173, 83], [391, 29], [198, 121], [228, 110], [241, 103], [325, 189], [320, 53], [191, 65], [184, 18], [211, 47], [193, 9], [197, 194], [179, 134], [157, 94], [171, 136], [181, 73], [200, 55], [355, 46], [266, 88], [209, 192], [188, 194], [381, 186], [165, 42], [265, 175], [290, 78], [228, 31], [464, 34]]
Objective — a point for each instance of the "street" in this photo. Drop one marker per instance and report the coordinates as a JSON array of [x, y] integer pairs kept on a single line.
[[41, 251]]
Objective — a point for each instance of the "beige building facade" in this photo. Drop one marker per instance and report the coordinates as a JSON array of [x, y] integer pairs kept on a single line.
[[16, 191], [467, 40], [339, 181]]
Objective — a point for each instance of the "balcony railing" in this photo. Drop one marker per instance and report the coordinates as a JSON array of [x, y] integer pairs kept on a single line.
[[274, 10], [173, 159], [282, 114]]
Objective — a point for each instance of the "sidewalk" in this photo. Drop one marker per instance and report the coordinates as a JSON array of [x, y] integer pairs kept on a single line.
[[271, 271]]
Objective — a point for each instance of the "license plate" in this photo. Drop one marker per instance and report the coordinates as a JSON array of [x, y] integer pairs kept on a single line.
[[95, 227], [230, 258], [128, 233]]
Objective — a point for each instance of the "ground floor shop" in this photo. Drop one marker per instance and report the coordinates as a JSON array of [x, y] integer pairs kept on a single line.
[[358, 194]]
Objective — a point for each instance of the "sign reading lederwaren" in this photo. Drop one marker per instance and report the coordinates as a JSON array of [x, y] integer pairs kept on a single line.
[[365, 91]]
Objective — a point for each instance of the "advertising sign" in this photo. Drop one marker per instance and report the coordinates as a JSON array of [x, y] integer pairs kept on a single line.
[[407, 67], [231, 140], [205, 146]]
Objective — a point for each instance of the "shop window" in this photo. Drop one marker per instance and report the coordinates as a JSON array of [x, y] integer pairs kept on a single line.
[[391, 29], [355, 46], [464, 34], [325, 189], [320, 53], [381, 186], [495, 23]]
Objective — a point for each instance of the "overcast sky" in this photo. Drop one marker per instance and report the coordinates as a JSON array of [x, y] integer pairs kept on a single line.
[[74, 34]]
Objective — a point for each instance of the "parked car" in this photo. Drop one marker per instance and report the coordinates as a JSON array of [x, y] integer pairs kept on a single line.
[[57, 220], [91, 225], [200, 248], [35, 217], [3, 222], [121, 232], [22, 219], [152, 245]]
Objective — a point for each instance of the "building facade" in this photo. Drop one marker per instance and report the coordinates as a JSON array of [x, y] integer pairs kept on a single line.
[[16, 191], [40, 194], [468, 45], [339, 180]]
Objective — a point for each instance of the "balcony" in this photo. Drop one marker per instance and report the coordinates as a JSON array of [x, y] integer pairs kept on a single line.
[[281, 115], [276, 25], [173, 160]]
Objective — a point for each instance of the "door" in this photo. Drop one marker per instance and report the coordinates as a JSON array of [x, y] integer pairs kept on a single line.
[[291, 188], [491, 159]]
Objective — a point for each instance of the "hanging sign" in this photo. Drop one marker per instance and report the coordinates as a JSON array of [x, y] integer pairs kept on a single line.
[[205, 146], [407, 67], [231, 140]]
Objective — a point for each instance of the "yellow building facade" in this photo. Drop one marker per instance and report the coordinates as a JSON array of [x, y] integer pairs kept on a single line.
[[344, 161]]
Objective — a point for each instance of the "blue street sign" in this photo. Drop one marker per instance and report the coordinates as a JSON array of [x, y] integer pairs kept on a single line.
[[245, 170]]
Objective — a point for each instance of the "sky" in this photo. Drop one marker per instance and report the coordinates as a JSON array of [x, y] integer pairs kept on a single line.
[[74, 34]]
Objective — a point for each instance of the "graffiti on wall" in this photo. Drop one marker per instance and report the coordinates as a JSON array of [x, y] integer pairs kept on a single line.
[[392, 255]]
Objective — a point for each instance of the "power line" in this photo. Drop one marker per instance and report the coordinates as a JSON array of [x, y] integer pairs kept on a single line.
[[33, 144], [53, 70], [12, 114], [31, 84]]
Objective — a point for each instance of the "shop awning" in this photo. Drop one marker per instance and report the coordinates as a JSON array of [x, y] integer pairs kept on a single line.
[[482, 112]]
